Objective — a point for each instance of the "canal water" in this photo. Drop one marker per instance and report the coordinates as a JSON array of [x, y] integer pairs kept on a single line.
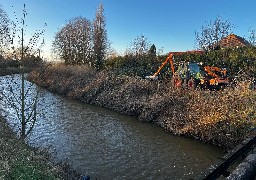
[[106, 145]]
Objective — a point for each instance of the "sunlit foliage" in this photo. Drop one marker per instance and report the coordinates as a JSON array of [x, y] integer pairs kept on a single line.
[[139, 47]]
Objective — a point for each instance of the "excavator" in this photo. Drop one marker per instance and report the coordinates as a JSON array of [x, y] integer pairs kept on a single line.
[[192, 75]]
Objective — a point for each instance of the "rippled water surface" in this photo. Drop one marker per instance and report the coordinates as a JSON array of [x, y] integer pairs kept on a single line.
[[106, 145]]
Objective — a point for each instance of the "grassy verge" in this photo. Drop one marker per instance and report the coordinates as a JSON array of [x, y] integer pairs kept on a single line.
[[19, 161], [222, 118]]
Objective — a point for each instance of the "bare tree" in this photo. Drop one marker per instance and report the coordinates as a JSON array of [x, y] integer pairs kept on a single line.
[[209, 36], [252, 36], [139, 47], [73, 42], [100, 41], [23, 101], [4, 29]]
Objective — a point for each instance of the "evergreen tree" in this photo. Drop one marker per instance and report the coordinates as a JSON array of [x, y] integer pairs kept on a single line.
[[152, 50], [100, 42]]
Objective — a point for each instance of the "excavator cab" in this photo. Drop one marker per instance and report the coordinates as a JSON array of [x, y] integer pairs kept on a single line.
[[194, 68], [191, 74], [186, 69]]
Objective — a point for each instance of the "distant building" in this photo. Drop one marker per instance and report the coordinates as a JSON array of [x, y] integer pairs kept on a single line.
[[188, 52], [233, 40]]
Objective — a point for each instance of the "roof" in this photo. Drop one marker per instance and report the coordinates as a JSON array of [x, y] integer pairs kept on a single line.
[[188, 52], [233, 40]]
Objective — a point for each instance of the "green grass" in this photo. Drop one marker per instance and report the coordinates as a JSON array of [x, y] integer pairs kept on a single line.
[[27, 170], [20, 161]]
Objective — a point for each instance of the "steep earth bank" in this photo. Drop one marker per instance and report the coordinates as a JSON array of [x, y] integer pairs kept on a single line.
[[222, 118]]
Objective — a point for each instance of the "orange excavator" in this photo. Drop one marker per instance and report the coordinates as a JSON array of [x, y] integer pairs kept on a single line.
[[216, 75], [168, 59], [191, 74]]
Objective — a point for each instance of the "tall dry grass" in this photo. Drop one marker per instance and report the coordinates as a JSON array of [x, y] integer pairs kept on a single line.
[[223, 117]]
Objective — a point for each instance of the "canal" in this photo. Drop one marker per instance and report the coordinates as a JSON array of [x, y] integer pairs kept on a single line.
[[107, 145]]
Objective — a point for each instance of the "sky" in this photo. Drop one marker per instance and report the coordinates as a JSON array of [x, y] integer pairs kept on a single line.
[[169, 24]]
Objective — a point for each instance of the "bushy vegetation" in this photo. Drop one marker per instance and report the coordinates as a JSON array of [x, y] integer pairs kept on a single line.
[[237, 61], [140, 59], [12, 66], [133, 65], [234, 59], [223, 118], [5, 63]]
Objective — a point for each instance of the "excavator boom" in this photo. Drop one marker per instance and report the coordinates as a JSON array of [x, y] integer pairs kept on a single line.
[[168, 59], [211, 70]]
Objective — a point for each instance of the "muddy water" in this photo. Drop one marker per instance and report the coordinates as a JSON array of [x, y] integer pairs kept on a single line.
[[107, 145]]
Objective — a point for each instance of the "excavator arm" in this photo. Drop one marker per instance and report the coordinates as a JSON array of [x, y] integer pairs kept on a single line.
[[217, 75], [211, 71], [168, 59]]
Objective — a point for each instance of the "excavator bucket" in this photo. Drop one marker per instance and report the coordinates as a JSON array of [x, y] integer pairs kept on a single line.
[[152, 77]]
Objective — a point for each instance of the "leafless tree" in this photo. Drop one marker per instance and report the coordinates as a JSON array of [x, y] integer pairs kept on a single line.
[[252, 36], [73, 41], [139, 47], [100, 41], [4, 29], [19, 94], [209, 36]]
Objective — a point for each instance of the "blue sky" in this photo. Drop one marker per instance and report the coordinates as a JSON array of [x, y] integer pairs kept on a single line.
[[169, 24]]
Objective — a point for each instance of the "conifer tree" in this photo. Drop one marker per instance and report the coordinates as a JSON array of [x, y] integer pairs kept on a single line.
[[100, 42]]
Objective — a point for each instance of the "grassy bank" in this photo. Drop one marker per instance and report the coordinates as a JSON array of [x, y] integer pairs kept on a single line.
[[19, 161], [222, 118]]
